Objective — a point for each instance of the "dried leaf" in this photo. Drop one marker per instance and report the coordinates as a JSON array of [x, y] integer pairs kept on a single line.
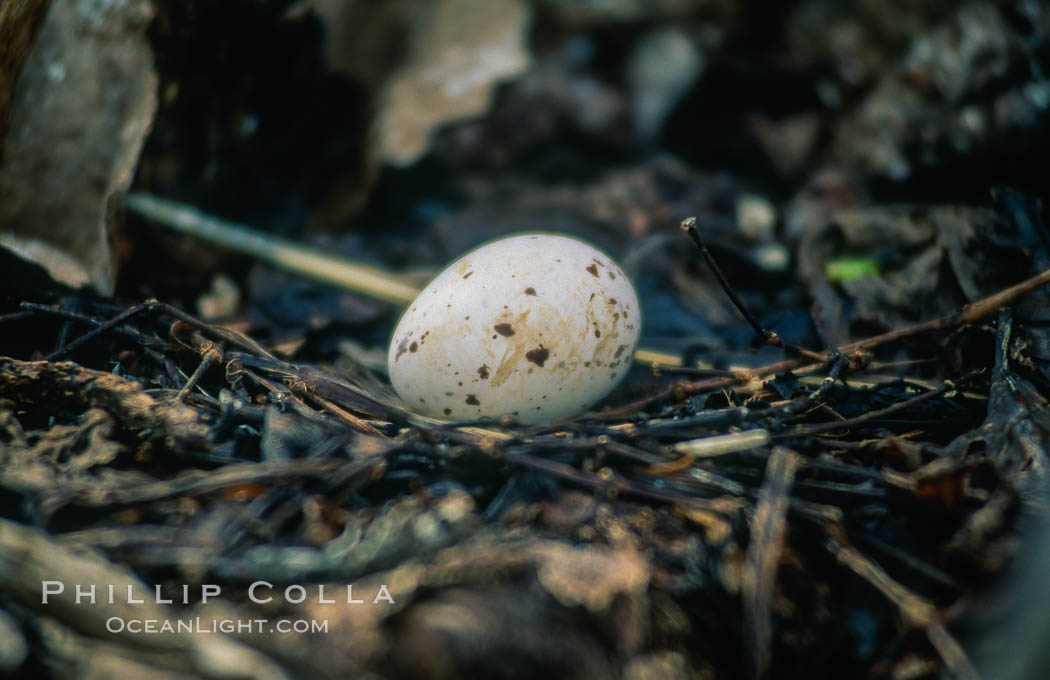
[[79, 115], [459, 50]]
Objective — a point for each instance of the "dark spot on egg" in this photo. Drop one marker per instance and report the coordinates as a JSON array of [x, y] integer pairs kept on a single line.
[[467, 275], [530, 291], [472, 400], [612, 276], [619, 351], [592, 269], [413, 347], [448, 411], [611, 301], [597, 333], [503, 329], [538, 355], [483, 371]]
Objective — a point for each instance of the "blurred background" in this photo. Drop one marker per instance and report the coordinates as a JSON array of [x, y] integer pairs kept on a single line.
[[401, 133]]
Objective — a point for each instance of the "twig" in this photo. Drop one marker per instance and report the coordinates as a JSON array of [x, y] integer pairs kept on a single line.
[[764, 335], [916, 611], [970, 313], [211, 354], [689, 226], [768, 532], [37, 308], [293, 257], [867, 417], [285, 254], [99, 330], [720, 445]]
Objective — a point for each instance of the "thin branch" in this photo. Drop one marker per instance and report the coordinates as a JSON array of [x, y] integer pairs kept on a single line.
[[970, 313], [689, 226]]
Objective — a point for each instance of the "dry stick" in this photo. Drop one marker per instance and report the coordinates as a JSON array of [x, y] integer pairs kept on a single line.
[[230, 337], [286, 254], [293, 257], [99, 330], [689, 225], [350, 419], [916, 611], [768, 532], [209, 359], [766, 336], [36, 308], [211, 354], [808, 430], [968, 314]]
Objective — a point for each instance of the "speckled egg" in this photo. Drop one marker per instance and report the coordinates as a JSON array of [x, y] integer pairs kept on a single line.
[[537, 326]]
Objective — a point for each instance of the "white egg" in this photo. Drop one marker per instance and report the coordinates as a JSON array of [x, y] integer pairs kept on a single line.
[[537, 326]]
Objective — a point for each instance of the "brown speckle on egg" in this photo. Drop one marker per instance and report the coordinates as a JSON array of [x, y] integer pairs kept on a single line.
[[592, 269], [413, 347], [504, 329], [473, 400], [448, 412], [530, 291], [467, 275], [538, 355], [483, 371]]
